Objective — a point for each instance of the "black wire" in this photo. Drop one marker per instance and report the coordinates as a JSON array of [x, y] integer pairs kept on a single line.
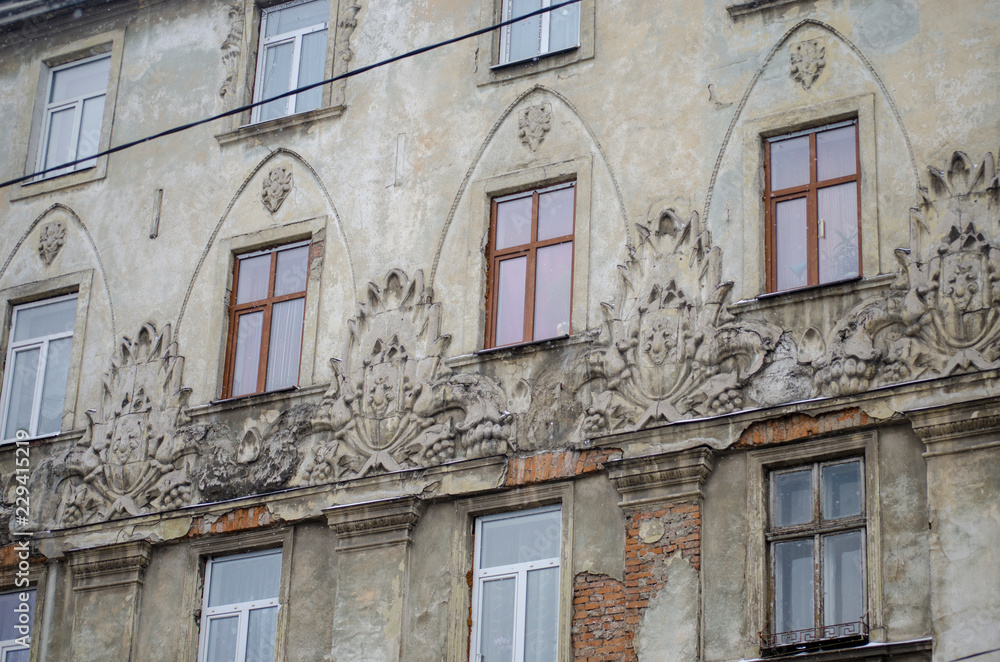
[[969, 657], [243, 109]]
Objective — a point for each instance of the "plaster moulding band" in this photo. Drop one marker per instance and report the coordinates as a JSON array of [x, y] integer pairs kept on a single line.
[[109, 566], [375, 523], [659, 479]]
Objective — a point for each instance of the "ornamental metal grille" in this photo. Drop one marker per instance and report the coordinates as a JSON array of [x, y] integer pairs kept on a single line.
[[827, 636]]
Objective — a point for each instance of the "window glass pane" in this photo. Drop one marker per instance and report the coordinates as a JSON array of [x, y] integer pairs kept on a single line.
[[90, 129], [541, 620], [222, 639], [838, 232], [843, 587], [80, 80], [789, 163], [297, 17], [59, 148], [793, 585], [510, 301], [311, 61], [496, 628], [49, 319], [841, 490], [254, 275], [836, 153], [792, 498], [54, 386], [553, 276], [247, 362], [513, 222], [521, 538], [286, 344], [20, 655], [261, 634], [244, 578], [792, 254], [9, 618], [525, 36], [564, 27], [277, 78], [555, 213], [290, 273], [22, 392]]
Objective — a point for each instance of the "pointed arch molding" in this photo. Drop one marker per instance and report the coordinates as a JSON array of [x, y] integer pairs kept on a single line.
[[464, 186], [93, 246], [760, 71], [236, 196]]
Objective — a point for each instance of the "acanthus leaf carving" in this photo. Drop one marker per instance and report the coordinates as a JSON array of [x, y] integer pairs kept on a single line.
[[393, 404], [942, 314], [807, 59], [533, 123], [133, 458], [231, 49], [276, 187], [51, 238], [670, 350]]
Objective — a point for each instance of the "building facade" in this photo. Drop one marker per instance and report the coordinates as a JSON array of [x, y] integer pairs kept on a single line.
[[626, 331]]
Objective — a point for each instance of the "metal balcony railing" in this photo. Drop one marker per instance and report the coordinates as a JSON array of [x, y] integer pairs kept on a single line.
[[826, 636]]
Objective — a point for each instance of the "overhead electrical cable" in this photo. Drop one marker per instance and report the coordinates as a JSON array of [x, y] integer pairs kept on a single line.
[[304, 88]]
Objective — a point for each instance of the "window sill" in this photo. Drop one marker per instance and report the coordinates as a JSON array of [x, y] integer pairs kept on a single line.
[[533, 59], [271, 398], [56, 182], [520, 349], [10, 445], [813, 293], [279, 124], [875, 650], [742, 7]]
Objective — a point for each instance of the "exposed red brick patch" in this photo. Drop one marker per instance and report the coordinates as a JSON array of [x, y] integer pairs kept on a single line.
[[607, 612], [541, 467], [241, 519], [800, 426], [10, 557]]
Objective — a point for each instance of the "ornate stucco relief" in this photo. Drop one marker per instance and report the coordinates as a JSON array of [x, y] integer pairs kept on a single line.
[[533, 123], [942, 314], [231, 49], [133, 457], [393, 403], [807, 59], [51, 238], [669, 349], [342, 56], [276, 187]]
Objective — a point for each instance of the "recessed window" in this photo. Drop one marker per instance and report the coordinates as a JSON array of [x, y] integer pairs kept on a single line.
[[73, 114], [516, 590], [550, 32], [816, 542], [239, 617], [813, 207], [17, 613], [37, 367], [292, 54], [530, 259], [267, 310]]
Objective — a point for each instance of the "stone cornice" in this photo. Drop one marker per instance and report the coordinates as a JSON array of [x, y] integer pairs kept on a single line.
[[109, 566], [959, 427], [375, 523], [657, 479]]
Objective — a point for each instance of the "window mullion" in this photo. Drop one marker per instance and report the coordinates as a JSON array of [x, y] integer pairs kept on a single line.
[[241, 634], [812, 216], [293, 75], [36, 400], [543, 28], [520, 612], [818, 583], [529, 280]]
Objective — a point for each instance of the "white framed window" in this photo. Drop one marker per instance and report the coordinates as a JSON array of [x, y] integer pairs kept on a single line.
[[292, 54], [515, 595], [73, 114], [17, 614], [239, 617], [39, 352], [550, 32]]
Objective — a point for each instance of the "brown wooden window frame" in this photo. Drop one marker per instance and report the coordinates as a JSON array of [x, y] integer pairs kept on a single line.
[[265, 305], [809, 192], [495, 257]]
